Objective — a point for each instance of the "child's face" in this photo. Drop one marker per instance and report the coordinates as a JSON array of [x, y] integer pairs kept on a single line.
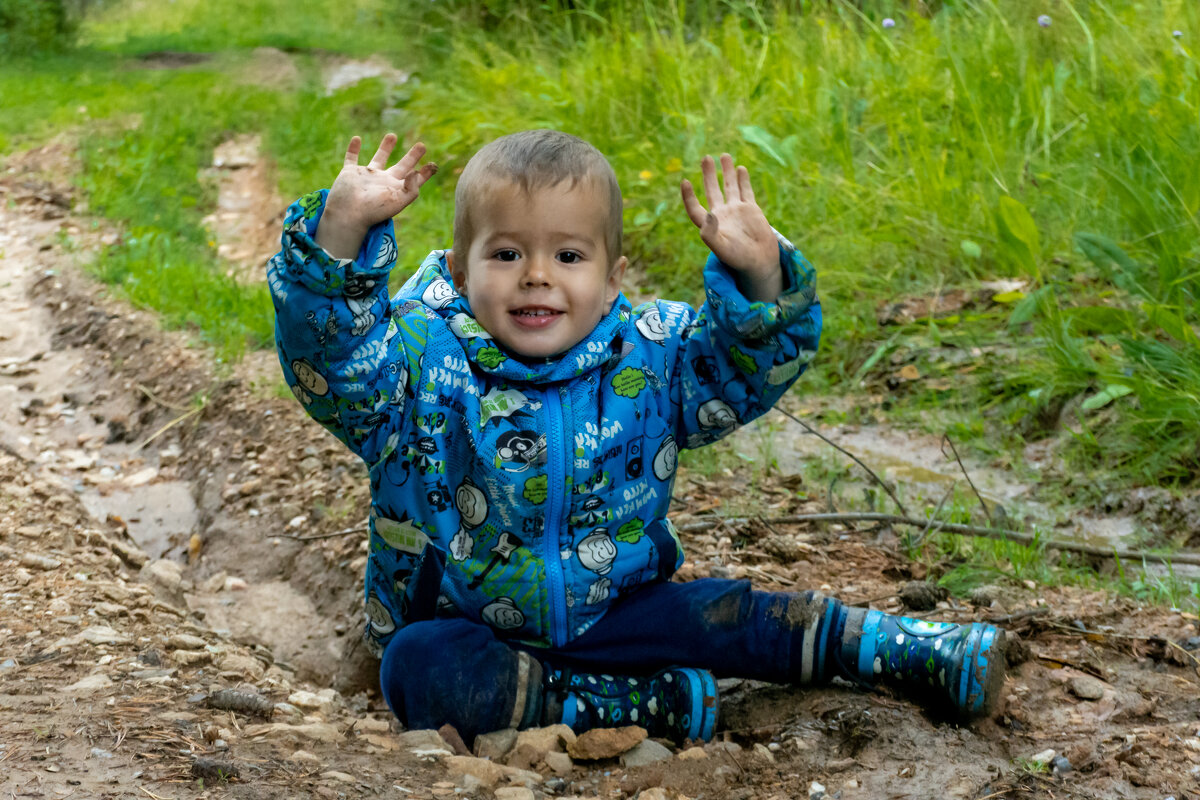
[[538, 272]]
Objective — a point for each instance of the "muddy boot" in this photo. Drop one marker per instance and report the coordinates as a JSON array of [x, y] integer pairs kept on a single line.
[[956, 669], [678, 703]]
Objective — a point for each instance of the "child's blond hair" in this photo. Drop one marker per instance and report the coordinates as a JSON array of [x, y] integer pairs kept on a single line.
[[534, 160]]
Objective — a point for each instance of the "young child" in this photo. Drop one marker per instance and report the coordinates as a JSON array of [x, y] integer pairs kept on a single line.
[[521, 424]]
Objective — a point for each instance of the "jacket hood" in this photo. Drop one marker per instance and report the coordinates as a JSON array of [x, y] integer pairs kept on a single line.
[[434, 288]]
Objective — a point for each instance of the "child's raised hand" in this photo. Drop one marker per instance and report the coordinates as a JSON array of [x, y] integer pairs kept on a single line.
[[364, 196], [735, 228]]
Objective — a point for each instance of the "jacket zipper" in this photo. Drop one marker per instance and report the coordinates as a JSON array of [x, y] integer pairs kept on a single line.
[[557, 454]]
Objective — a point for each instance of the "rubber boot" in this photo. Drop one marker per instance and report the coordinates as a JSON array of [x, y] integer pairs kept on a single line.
[[678, 703], [956, 669]]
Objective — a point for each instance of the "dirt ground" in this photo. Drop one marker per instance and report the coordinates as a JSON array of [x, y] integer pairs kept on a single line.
[[157, 548]]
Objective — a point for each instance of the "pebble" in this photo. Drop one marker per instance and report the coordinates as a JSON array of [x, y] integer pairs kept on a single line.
[[600, 743], [92, 683], [693, 754], [185, 641], [37, 561], [303, 757], [190, 658], [763, 751], [816, 791], [496, 745], [310, 701], [1044, 757], [1059, 765], [559, 763], [1086, 687], [514, 793], [645, 752], [334, 775]]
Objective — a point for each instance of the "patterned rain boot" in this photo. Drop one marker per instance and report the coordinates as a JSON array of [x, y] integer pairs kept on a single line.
[[678, 703], [956, 669]]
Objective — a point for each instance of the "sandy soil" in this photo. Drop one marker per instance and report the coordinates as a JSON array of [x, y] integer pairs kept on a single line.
[[154, 550]]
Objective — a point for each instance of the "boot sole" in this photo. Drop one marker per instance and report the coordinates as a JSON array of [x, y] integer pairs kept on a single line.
[[983, 672]]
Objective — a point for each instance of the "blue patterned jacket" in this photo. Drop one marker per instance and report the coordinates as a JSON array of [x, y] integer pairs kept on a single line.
[[525, 495]]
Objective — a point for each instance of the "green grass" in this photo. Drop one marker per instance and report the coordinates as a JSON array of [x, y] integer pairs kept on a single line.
[[967, 146]]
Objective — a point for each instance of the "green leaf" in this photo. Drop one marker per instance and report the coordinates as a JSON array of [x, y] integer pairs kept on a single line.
[[1018, 234], [1113, 262], [971, 249], [1105, 396], [764, 141]]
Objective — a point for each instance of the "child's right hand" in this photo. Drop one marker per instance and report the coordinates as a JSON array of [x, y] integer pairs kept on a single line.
[[364, 196]]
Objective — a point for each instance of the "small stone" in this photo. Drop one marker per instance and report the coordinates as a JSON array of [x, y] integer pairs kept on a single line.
[[645, 752], [303, 757], [373, 725], [236, 585], [524, 756], [37, 561], [488, 773], [423, 740], [309, 701], [166, 577], [1060, 765], [1086, 687], [92, 683], [551, 739], [22, 576], [185, 641], [559, 763], [107, 610], [496, 745], [243, 665], [654, 793], [450, 736], [761, 751], [1044, 757], [514, 793], [190, 658], [816, 791], [693, 754], [334, 775], [600, 743]]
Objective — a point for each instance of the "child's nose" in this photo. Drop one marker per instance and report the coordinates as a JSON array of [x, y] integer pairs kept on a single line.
[[537, 272]]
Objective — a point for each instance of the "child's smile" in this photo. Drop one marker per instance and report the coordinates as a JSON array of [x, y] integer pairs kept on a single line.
[[538, 274]]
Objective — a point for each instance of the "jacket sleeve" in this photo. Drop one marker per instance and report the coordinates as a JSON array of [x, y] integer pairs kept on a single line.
[[348, 355], [737, 358]]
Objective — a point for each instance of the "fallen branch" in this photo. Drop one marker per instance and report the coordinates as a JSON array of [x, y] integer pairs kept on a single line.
[[964, 530]]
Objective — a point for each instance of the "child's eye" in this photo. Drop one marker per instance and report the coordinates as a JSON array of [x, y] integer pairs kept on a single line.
[[570, 257], [506, 255]]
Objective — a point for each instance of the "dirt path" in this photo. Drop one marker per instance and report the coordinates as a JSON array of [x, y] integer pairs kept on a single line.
[[145, 508]]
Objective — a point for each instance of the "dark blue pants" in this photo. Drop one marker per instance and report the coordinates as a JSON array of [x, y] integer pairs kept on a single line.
[[458, 672]]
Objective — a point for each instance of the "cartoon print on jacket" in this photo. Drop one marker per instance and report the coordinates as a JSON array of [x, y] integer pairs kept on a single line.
[[525, 495]]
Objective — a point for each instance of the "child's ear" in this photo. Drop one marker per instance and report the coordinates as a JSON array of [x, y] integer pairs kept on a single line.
[[458, 273], [615, 275]]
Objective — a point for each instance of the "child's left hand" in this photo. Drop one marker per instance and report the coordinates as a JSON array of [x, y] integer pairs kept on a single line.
[[735, 228]]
